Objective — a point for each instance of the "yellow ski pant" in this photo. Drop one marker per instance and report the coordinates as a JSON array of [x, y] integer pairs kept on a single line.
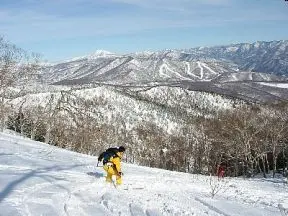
[[110, 171]]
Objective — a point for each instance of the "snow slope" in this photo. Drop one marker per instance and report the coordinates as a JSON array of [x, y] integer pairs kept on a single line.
[[277, 85], [38, 179]]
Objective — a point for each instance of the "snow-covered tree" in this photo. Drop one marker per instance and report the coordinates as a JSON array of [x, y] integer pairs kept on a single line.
[[16, 66]]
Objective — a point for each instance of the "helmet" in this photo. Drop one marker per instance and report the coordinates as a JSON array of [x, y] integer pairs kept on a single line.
[[121, 149]]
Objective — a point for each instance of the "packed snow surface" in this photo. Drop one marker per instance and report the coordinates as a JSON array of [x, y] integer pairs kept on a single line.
[[278, 85], [39, 179]]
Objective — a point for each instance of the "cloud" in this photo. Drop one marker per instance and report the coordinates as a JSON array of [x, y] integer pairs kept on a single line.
[[152, 3], [28, 24], [173, 5]]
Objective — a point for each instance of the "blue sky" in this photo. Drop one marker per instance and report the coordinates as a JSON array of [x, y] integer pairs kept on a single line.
[[62, 29]]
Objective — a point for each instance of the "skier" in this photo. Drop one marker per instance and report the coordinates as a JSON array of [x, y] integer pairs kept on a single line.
[[221, 171], [112, 163]]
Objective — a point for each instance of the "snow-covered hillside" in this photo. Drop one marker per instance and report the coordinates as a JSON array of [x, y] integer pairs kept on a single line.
[[38, 179], [157, 105], [127, 69]]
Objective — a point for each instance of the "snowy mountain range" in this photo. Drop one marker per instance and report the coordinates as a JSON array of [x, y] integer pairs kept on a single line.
[[237, 70], [269, 57], [198, 64]]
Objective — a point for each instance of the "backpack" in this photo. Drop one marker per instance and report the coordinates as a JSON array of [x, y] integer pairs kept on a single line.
[[105, 156]]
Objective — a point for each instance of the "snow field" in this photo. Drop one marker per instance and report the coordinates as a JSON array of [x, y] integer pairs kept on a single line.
[[38, 179]]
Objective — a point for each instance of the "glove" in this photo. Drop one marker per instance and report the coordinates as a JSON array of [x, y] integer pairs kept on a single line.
[[120, 173]]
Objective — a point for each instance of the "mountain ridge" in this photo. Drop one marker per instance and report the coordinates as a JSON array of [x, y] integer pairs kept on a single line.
[[205, 69]]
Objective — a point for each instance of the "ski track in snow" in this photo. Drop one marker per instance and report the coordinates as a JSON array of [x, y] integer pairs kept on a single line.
[[277, 85], [188, 71], [201, 69], [33, 183], [165, 66], [211, 207], [208, 68], [161, 71]]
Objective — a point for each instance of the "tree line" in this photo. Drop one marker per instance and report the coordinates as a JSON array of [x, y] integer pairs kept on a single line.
[[246, 139]]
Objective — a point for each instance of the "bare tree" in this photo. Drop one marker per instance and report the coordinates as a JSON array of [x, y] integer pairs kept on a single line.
[[276, 132], [35, 117], [16, 66], [217, 185]]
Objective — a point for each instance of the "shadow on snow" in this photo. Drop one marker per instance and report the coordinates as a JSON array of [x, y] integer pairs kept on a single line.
[[31, 174], [95, 174]]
